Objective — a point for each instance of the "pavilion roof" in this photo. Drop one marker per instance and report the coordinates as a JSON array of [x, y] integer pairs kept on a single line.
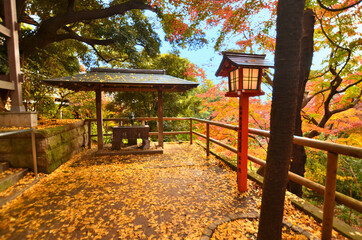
[[123, 80]]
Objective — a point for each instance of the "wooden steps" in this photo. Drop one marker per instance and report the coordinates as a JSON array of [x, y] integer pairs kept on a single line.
[[10, 176], [4, 166], [13, 183]]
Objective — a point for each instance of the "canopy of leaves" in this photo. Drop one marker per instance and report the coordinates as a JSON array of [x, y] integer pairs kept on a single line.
[[56, 60], [144, 104]]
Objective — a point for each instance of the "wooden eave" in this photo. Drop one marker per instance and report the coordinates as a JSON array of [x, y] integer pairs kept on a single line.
[[232, 61], [123, 80], [120, 87]]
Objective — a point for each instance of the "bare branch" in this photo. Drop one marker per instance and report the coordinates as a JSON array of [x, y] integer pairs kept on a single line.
[[318, 76], [104, 59], [351, 85], [256, 121], [268, 78], [307, 99], [257, 140], [310, 119], [351, 105], [354, 176], [337, 9], [337, 45], [72, 35], [99, 55]]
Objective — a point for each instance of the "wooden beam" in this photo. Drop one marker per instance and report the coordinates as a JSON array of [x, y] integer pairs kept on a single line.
[[7, 85], [160, 118], [190, 131], [4, 77], [117, 70], [4, 30], [99, 119], [13, 55], [169, 133], [207, 139]]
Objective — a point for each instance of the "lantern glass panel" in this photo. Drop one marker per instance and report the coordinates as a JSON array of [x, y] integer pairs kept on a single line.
[[234, 80], [250, 78]]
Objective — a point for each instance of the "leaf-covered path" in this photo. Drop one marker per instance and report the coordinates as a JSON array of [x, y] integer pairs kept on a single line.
[[171, 196]]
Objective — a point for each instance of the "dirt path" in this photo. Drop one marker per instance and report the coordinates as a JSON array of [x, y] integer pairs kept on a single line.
[[171, 196]]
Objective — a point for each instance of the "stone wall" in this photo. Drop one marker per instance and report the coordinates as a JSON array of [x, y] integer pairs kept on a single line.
[[18, 119], [54, 146]]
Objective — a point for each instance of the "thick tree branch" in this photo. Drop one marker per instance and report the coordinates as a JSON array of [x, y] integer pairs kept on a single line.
[[71, 17], [337, 9], [47, 32]]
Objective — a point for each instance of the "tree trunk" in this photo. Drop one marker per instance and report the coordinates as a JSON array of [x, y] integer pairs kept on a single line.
[[285, 96], [299, 157]]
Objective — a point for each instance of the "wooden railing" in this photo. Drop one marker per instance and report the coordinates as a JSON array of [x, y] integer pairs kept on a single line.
[[139, 119], [333, 150]]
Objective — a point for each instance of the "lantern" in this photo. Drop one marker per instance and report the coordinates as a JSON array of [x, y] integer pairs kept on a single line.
[[244, 72], [249, 80]]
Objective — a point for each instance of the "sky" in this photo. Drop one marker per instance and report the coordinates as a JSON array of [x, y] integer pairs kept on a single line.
[[207, 58]]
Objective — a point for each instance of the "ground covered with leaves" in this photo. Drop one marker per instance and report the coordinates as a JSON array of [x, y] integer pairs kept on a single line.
[[44, 124], [171, 196]]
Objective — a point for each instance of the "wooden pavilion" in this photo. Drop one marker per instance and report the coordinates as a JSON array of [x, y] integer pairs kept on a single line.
[[106, 79]]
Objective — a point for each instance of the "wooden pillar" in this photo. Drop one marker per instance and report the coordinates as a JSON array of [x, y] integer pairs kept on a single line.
[[242, 164], [99, 118], [33, 149], [190, 130], [207, 139], [329, 196], [89, 134], [13, 55], [160, 118]]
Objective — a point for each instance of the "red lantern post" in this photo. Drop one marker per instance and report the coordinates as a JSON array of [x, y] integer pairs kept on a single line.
[[245, 72]]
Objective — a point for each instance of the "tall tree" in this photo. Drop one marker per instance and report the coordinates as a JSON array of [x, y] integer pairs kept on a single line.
[[117, 26], [336, 79], [116, 32], [299, 156], [285, 96]]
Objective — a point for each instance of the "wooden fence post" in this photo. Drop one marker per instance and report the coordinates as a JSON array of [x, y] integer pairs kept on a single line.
[[99, 119], [329, 196], [207, 139], [89, 134], [160, 118], [33, 148], [190, 130]]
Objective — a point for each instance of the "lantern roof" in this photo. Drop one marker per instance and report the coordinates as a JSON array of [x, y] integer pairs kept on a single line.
[[233, 60]]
